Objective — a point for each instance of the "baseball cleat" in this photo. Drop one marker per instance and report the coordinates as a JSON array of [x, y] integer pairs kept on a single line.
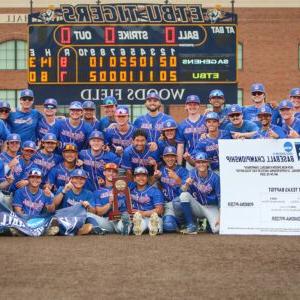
[[153, 224], [53, 230], [137, 223], [98, 231], [15, 232], [126, 224], [191, 229]]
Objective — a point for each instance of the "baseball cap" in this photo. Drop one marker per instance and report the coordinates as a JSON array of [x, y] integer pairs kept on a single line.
[[35, 172], [170, 150], [50, 103], [192, 99], [295, 92], [26, 93], [216, 93], [212, 116], [4, 104], [96, 135], [257, 87], [29, 145], [88, 105], [140, 170], [110, 100], [153, 95], [70, 147], [112, 166], [75, 105], [122, 111], [79, 173], [201, 156], [51, 137], [234, 109], [169, 124], [265, 109], [13, 137], [285, 104]]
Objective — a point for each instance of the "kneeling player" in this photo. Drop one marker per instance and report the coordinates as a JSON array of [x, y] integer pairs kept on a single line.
[[148, 204], [201, 196]]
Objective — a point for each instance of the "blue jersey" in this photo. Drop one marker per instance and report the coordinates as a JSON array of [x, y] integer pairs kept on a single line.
[[2, 173], [4, 132], [31, 204], [104, 123], [133, 158], [247, 126], [162, 144], [264, 134], [223, 117], [66, 133], [152, 125], [70, 198], [206, 190], [102, 196], [25, 124], [5, 158], [190, 132], [95, 124], [43, 127], [147, 199], [211, 147], [94, 165], [46, 162], [169, 187], [295, 126], [297, 115]]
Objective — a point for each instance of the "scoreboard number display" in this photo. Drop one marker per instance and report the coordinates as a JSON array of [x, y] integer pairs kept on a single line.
[[88, 52]]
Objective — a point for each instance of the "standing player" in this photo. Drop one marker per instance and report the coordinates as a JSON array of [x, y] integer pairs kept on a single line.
[[170, 178], [148, 205], [89, 114], [94, 160], [153, 121], [73, 129], [291, 125], [49, 119], [295, 98], [110, 106], [4, 112], [201, 196], [25, 120]]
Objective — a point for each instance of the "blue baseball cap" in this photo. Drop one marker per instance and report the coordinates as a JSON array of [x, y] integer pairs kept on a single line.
[[216, 93], [110, 100], [96, 135], [13, 137], [29, 145], [201, 156], [35, 172], [212, 116], [50, 103], [49, 137], [88, 105], [122, 111], [79, 173], [75, 105], [4, 104], [169, 124], [234, 109], [140, 170], [257, 87], [153, 95], [285, 104], [192, 99], [27, 93], [69, 147], [264, 110], [170, 150], [295, 92]]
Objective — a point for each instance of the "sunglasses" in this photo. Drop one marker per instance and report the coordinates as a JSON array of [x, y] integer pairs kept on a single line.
[[27, 99], [234, 115], [35, 177], [257, 93], [4, 111]]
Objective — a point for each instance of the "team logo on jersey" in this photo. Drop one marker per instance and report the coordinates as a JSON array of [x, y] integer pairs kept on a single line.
[[288, 147]]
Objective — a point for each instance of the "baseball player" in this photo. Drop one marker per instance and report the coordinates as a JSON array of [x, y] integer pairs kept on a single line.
[[238, 127], [73, 129], [268, 130], [104, 201], [94, 160], [153, 121], [291, 125], [24, 121], [120, 136], [148, 204], [200, 197], [89, 114], [49, 119], [4, 131], [170, 178], [295, 98], [110, 106], [4, 113], [139, 154]]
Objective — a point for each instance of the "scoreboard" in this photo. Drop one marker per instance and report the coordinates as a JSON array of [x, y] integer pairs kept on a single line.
[[82, 60]]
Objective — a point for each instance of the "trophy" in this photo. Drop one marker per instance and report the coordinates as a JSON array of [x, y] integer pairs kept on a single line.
[[120, 188]]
